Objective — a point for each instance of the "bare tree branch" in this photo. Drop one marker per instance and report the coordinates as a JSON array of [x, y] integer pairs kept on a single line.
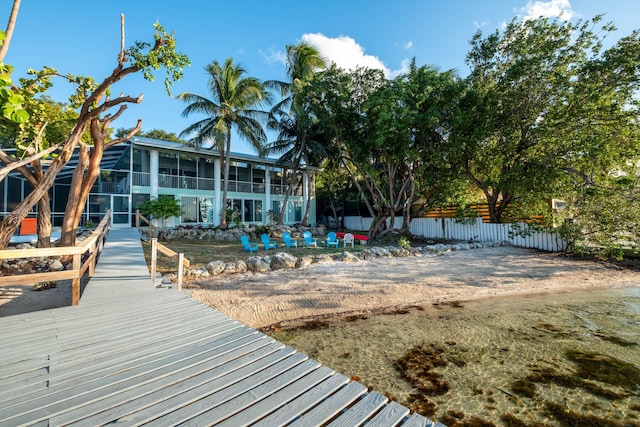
[[15, 164], [125, 138], [10, 26]]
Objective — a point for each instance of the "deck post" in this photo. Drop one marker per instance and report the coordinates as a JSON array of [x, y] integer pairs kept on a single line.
[[75, 282], [154, 256], [93, 254], [180, 270]]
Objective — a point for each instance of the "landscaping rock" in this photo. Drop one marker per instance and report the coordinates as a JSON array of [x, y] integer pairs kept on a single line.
[[258, 264], [56, 265], [215, 267], [283, 260], [241, 266], [230, 268], [304, 261], [322, 258], [348, 257]]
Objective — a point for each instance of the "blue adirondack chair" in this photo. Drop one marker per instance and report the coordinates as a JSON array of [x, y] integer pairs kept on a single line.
[[248, 246], [286, 238], [309, 240], [268, 243], [332, 239]]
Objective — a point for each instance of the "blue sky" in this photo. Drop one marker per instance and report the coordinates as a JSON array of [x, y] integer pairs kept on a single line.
[[83, 37]]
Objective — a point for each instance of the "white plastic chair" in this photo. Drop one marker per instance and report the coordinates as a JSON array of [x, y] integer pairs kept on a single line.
[[348, 239]]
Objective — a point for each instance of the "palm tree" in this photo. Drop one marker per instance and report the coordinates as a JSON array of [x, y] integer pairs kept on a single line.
[[233, 106], [296, 142], [299, 142], [303, 60]]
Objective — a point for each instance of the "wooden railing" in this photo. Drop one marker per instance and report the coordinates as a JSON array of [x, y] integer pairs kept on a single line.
[[142, 219], [156, 246], [92, 246]]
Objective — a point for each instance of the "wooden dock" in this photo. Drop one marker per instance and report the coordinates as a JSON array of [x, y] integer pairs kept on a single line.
[[132, 354]]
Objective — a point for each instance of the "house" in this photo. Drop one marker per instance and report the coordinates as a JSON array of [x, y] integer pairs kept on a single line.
[[142, 168]]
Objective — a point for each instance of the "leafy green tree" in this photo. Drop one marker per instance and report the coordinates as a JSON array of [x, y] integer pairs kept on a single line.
[[234, 103], [162, 208], [95, 114], [390, 136], [153, 133], [408, 124], [547, 110], [335, 99]]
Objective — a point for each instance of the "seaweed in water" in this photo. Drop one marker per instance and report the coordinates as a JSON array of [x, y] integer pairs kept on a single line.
[[526, 387], [616, 340], [572, 419], [511, 420], [416, 366], [458, 419], [606, 369]]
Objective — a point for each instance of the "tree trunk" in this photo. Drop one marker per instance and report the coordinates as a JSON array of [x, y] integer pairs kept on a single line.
[[44, 210], [68, 237], [305, 218], [497, 205], [12, 220], [88, 161], [225, 156], [283, 209]]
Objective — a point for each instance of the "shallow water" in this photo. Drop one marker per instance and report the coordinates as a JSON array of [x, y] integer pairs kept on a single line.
[[558, 360]]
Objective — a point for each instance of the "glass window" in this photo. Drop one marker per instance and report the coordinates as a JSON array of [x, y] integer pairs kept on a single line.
[[168, 164], [276, 176], [140, 160], [294, 211], [233, 174], [189, 207], [259, 174], [257, 211], [243, 172], [206, 209], [188, 166], [138, 199], [248, 211], [205, 168]]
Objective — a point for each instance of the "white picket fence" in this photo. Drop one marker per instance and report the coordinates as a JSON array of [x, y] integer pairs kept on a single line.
[[448, 228]]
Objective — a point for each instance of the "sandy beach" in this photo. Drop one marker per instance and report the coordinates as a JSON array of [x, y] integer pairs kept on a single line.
[[335, 289]]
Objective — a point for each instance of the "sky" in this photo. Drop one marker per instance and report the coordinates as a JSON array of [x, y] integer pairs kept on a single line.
[[82, 37]]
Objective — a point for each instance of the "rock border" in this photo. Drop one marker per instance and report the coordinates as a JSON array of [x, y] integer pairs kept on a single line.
[[284, 260]]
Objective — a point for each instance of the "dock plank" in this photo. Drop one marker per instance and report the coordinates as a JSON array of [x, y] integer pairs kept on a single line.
[[270, 404], [203, 404], [131, 353], [390, 415], [361, 411], [290, 411], [331, 406], [254, 395], [195, 388], [108, 410]]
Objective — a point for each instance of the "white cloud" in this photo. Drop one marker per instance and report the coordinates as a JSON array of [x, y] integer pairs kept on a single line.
[[408, 45], [480, 25], [547, 9], [348, 54], [274, 56]]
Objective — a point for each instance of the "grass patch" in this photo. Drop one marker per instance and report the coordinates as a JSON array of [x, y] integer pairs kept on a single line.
[[202, 252]]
